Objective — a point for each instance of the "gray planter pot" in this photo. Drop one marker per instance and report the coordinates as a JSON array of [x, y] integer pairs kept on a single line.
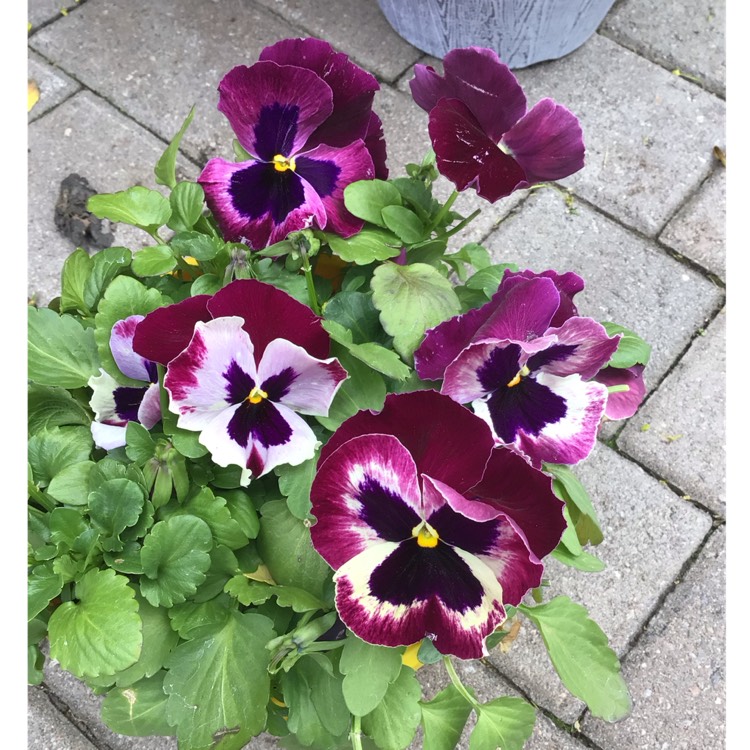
[[522, 32]]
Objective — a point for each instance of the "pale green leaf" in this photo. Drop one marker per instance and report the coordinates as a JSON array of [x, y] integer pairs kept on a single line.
[[395, 720], [165, 167], [632, 349], [138, 206], [75, 273], [54, 450], [153, 261], [43, 586], [444, 718], [139, 710], [365, 247], [504, 723], [50, 406], [366, 199], [368, 670]]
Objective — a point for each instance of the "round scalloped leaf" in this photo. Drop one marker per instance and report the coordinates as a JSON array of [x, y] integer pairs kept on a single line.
[[138, 710], [100, 634], [503, 723], [175, 560]]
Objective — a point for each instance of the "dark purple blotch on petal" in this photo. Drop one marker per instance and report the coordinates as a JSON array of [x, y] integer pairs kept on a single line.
[[261, 189], [500, 368], [476, 537], [322, 175], [278, 385], [127, 401], [385, 512], [263, 420], [414, 574], [239, 383], [554, 353], [276, 130]]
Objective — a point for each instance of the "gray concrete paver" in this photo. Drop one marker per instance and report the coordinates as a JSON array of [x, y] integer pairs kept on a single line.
[[356, 27], [42, 11], [645, 157], [87, 136], [698, 231], [54, 86], [686, 422], [48, 729], [649, 534], [677, 671], [629, 280], [689, 36]]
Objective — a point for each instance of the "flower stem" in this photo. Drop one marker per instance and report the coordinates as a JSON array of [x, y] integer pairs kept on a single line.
[[461, 225], [443, 212], [456, 680], [307, 268], [356, 734]]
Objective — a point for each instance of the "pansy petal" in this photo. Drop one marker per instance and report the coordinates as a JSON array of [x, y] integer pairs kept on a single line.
[[365, 493], [524, 494], [563, 435], [433, 428], [547, 142], [396, 594], [166, 331], [329, 170], [273, 109], [149, 412], [270, 313], [353, 88], [623, 404], [102, 403], [375, 144], [108, 436], [585, 348], [255, 203], [216, 371], [568, 284], [481, 81], [292, 377], [121, 345], [467, 157]]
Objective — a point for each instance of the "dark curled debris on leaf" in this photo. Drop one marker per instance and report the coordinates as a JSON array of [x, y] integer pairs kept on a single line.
[[74, 221]]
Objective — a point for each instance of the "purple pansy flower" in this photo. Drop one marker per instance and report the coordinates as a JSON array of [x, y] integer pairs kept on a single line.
[[525, 362], [428, 539], [115, 405], [303, 112], [623, 404], [242, 366], [481, 132]]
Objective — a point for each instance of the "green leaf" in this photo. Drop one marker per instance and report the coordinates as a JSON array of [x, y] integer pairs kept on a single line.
[[295, 483], [50, 406], [140, 445], [138, 206], [43, 585], [175, 559], [139, 710], [53, 450], [75, 272], [66, 525], [418, 195], [632, 349], [404, 223], [35, 665], [165, 167], [368, 670], [124, 297], [488, 279], [285, 546], [366, 199], [584, 561], [219, 683], [504, 723], [193, 619], [186, 201], [427, 653], [209, 283], [395, 720], [569, 488], [569, 538], [356, 312], [154, 261], [101, 634], [196, 245], [225, 530], [69, 485], [444, 718], [61, 352], [367, 246], [106, 264], [114, 506], [579, 651], [363, 389], [242, 510], [411, 299]]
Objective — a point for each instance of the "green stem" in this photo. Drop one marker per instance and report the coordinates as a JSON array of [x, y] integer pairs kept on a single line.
[[311, 293], [443, 212], [39, 497], [461, 225], [618, 388], [155, 236], [356, 734], [456, 680]]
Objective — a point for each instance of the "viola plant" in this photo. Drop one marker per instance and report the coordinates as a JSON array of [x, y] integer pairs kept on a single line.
[[301, 444]]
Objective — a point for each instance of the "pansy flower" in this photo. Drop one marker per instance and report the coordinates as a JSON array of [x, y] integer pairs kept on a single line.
[[623, 404], [303, 113], [429, 539], [525, 362], [481, 131], [115, 405], [242, 366]]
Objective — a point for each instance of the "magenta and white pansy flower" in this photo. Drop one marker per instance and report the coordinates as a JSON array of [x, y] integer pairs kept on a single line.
[[525, 362], [242, 366], [115, 405], [429, 539]]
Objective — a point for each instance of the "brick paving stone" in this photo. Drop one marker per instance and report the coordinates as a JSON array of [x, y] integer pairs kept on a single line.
[[87, 136], [155, 60], [686, 416], [676, 672], [54, 86], [690, 36], [42, 11], [628, 279], [48, 729], [356, 27], [649, 534], [649, 134], [698, 231]]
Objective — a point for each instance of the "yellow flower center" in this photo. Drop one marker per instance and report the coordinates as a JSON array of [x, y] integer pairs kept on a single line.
[[425, 534], [522, 373], [256, 395], [281, 163]]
